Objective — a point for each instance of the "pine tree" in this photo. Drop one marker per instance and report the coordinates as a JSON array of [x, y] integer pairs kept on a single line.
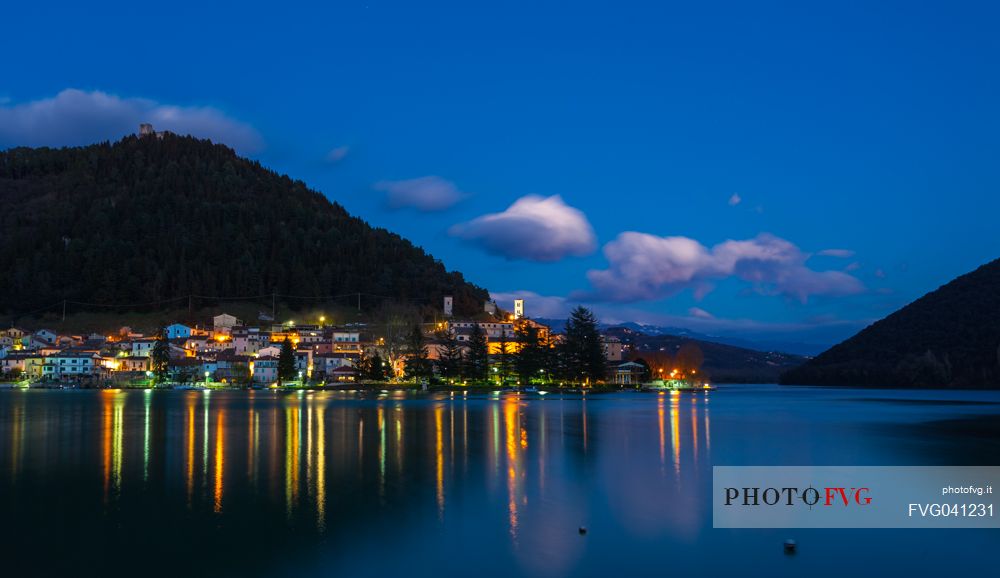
[[532, 357], [582, 351], [417, 364], [372, 367], [286, 362], [450, 356], [477, 358]]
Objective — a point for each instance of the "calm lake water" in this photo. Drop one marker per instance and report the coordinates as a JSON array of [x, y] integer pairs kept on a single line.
[[333, 483]]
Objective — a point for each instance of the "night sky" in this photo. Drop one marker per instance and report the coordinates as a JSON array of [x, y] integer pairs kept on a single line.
[[787, 170]]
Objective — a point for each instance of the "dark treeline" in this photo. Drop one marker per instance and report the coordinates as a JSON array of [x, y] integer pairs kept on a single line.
[[149, 219], [947, 338]]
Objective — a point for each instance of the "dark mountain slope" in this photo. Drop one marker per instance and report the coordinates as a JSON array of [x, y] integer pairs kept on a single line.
[[149, 219], [947, 338], [722, 363]]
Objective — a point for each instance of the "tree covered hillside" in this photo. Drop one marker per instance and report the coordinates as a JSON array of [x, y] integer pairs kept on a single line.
[[149, 219], [947, 338]]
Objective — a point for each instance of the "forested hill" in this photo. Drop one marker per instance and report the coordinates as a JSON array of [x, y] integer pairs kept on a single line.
[[947, 338], [148, 219]]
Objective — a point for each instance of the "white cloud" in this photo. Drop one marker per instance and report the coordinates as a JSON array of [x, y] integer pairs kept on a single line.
[[534, 228], [735, 200], [425, 194], [75, 117], [647, 267], [839, 253], [700, 313], [337, 154]]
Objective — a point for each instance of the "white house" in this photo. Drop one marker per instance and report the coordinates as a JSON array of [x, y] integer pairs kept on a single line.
[[224, 323], [143, 347], [345, 336], [70, 364], [326, 363], [270, 351]]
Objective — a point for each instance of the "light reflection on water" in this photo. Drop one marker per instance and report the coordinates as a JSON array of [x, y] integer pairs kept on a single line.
[[450, 479]]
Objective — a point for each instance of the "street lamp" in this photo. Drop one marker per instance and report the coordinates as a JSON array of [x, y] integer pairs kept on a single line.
[[206, 378]]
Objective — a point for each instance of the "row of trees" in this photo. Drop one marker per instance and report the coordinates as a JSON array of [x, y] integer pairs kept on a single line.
[[578, 357]]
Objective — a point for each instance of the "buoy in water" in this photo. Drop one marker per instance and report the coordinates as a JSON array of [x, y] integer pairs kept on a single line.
[[789, 546], [583, 530]]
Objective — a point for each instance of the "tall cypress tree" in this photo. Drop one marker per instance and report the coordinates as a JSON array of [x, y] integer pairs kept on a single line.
[[286, 362], [160, 356], [503, 356]]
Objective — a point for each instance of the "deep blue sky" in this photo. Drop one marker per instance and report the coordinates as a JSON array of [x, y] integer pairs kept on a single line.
[[870, 127]]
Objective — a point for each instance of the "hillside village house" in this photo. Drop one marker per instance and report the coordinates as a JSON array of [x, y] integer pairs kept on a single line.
[[224, 323], [14, 333], [177, 331], [324, 364], [143, 347], [613, 348], [46, 336], [28, 364], [71, 364], [265, 369], [345, 373]]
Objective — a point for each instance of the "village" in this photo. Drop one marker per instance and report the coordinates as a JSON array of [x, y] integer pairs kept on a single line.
[[225, 351]]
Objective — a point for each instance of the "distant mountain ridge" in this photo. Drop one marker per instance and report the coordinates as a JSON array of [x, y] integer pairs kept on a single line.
[[149, 219], [799, 348], [722, 363], [947, 338]]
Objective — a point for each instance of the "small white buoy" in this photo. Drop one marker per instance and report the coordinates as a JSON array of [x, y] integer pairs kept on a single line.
[[789, 546]]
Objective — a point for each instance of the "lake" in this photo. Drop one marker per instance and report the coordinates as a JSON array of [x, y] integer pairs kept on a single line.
[[352, 484]]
